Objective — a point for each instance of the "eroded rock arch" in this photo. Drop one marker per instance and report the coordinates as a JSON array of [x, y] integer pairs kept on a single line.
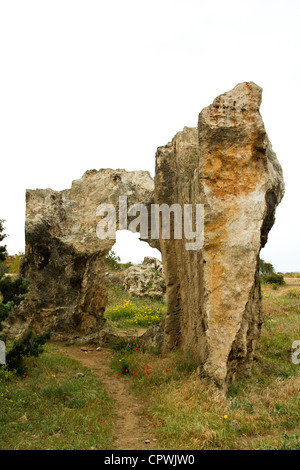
[[214, 303], [64, 257]]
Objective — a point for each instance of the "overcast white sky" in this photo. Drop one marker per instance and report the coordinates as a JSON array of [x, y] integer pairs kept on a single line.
[[101, 84]]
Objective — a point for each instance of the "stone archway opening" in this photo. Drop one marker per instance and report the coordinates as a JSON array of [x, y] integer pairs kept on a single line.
[[214, 304], [65, 257], [130, 248], [135, 284]]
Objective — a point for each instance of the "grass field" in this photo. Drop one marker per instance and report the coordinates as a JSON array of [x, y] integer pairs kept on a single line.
[[126, 311], [59, 404], [261, 412]]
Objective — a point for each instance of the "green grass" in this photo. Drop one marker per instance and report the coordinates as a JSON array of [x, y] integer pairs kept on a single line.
[[58, 404], [133, 315], [117, 295], [127, 311], [55, 407], [260, 412]]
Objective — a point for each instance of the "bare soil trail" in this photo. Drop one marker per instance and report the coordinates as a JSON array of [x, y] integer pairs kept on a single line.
[[132, 429]]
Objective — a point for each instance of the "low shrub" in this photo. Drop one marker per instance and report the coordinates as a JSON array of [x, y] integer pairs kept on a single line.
[[272, 278], [30, 345], [13, 290]]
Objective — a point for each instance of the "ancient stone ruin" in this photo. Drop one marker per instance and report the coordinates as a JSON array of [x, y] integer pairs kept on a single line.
[[214, 306]]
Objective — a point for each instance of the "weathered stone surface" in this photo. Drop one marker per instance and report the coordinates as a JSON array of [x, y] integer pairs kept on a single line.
[[154, 337], [214, 306], [214, 303], [64, 257], [146, 279]]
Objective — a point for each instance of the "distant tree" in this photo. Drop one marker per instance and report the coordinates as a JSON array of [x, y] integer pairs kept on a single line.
[[3, 252], [272, 278], [265, 268], [112, 260], [268, 275]]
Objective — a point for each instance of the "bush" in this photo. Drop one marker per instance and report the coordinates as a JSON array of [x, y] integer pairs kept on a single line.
[[13, 290], [272, 278], [112, 260], [3, 269], [29, 346], [4, 312]]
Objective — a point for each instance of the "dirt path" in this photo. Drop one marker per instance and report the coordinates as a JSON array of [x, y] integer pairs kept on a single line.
[[132, 429]]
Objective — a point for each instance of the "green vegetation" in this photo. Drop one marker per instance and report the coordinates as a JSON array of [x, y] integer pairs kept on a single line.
[[56, 405], [113, 262], [258, 412], [13, 290], [3, 252], [272, 278], [14, 267], [29, 345], [12, 293], [265, 268], [268, 275], [127, 311], [129, 314]]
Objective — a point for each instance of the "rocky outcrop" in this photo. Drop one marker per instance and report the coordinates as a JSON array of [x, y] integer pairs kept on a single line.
[[214, 306], [146, 279], [64, 257], [227, 163]]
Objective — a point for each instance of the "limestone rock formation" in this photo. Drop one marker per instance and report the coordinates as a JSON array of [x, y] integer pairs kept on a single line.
[[64, 257], [227, 163], [214, 306], [146, 279]]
